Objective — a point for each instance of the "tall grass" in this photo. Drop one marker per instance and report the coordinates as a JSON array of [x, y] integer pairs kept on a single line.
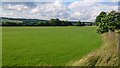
[[106, 55]]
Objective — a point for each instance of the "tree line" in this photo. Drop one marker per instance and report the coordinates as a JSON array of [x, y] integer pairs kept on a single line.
[[36, 22]]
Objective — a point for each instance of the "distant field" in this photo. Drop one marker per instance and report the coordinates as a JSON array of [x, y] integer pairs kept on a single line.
[[34, 46]]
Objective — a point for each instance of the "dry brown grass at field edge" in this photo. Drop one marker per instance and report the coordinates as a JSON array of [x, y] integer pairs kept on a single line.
[[107, 55]]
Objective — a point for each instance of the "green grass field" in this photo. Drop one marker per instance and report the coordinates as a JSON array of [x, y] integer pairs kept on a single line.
[[57, 46], [0, 46]]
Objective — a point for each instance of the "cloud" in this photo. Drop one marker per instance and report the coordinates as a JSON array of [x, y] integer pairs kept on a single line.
[[8, 14], [36, 10], [51, 10], [60, 0], [78, 10], [15, 7], [87, 11]]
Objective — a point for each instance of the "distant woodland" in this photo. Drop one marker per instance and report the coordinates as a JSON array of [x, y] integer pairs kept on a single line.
[[37, 22]]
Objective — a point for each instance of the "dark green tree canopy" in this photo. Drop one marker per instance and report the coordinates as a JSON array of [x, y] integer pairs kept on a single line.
[[38, 22], [79, 23], [55, 22], [108, 22], [99, 17]]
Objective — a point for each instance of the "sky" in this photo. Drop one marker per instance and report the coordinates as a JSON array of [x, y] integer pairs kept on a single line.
[[83, 10]]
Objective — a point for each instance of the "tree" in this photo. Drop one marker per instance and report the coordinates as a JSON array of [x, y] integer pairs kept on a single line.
[[55, 22], [83, 24], [109, 22], [64, 23], [78, 23], [99, 17]]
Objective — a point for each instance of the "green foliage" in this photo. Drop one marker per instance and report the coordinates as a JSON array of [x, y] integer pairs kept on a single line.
[[57, 46], [37, 22], [55, 22], [99, 17], [79, 23], [108, 22]]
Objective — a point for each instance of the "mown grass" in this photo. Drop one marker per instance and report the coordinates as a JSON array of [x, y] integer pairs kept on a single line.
[[0, 46], [56, 46]]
